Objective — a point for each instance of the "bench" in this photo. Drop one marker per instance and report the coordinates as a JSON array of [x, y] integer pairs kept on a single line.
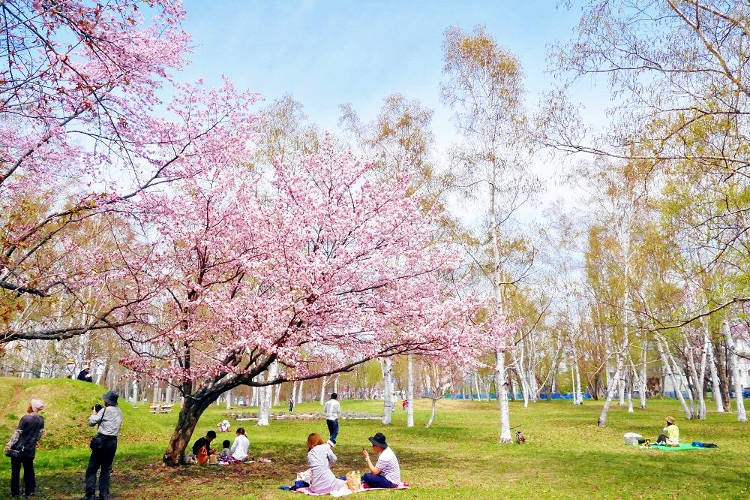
[[161, 408]]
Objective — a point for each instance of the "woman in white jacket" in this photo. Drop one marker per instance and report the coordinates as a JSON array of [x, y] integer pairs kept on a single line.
[[241, 445], [319, 458]]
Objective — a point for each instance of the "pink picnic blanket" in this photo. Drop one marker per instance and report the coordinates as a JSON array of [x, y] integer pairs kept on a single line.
[[346, 491]]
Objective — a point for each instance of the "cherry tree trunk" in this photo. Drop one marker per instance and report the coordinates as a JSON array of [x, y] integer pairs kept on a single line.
[[410, 392], [191, 411], [502, 397]]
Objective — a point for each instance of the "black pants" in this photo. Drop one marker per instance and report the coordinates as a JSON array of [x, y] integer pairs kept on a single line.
[[101, 458], [29, 480]]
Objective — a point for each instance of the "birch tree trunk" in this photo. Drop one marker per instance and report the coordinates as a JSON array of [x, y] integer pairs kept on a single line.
[[614, 381], [502, 397], [700, 412], [410, 392], [715, 387], [323, 390], [643, 380], [264, 412], [630, 393], [432, 414], [229, 399], [741, 414], [670, 373], [387, 367], [276, 391], [168, 393], [299, 390]]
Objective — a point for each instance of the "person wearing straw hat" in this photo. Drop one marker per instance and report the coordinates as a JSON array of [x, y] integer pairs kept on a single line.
[[103, 445], [21, 449], [386, 473], [671, 434]]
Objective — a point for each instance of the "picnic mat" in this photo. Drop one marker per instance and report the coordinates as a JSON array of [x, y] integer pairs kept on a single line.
[[346, 491], [683, 446]]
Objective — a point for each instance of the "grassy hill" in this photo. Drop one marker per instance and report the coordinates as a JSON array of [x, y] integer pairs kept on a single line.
[[566, 455]]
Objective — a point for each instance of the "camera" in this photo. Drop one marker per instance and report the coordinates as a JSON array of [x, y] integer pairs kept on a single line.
[[97, 407]]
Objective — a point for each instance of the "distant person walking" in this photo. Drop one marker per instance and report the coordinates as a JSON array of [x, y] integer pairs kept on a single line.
[[103, 445], [85, 375], [291, 405], [21, 449], [333, 412]]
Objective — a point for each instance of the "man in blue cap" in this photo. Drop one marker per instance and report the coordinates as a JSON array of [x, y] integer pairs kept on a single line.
[[103, 445]]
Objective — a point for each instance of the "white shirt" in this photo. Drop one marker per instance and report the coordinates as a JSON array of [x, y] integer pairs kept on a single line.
[[322, 479], [332, 409], [240, 446], [109, 420], [388, 465]]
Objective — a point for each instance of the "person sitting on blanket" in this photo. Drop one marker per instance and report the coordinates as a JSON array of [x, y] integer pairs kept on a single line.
[[241, 445], [671, 436], [225, 449], [386, 473], [319, 458], [204, 443]]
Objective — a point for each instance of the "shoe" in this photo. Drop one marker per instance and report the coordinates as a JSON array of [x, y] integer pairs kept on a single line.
[[331, 443]]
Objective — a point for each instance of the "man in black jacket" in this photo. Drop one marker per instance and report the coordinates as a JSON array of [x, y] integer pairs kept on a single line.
[[85, 375], [204, 442]]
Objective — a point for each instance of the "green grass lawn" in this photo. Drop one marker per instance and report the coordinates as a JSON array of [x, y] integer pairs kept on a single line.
[[566, 455]]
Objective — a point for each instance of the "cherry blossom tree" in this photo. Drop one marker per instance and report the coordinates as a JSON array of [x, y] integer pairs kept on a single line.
[[313, 266], [80, 84]]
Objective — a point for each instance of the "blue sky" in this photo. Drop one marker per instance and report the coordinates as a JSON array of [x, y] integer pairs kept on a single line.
[[325, 53]]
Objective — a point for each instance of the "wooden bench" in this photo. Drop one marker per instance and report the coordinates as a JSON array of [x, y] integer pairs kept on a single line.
[[161, 408]]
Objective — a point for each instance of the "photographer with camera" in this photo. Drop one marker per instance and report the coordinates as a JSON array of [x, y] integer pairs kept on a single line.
[[22, 449], [103, 445]]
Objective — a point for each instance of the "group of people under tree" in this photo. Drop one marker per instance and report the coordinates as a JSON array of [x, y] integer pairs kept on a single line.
[[238, 451]]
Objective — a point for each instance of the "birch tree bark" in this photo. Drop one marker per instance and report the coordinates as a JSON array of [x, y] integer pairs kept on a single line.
[[736, 379], [502, 397], [387, 367], [670, 373], [410, 392]]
